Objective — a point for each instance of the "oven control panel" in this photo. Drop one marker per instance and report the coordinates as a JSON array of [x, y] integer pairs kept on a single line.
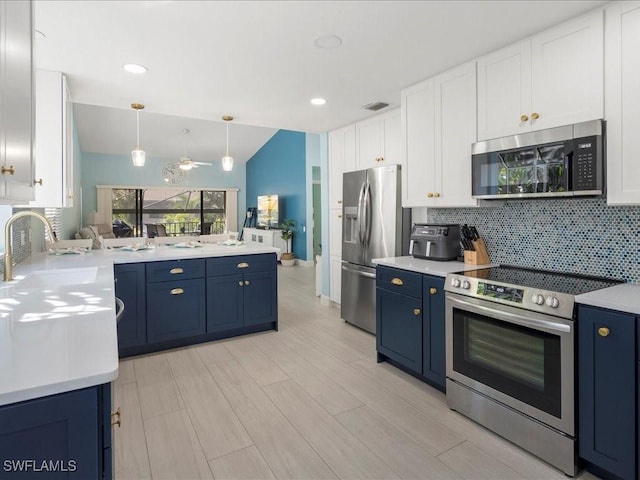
[[542, 301]]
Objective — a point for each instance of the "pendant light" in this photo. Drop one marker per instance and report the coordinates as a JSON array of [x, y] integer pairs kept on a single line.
[[138, 156], [227, 160]]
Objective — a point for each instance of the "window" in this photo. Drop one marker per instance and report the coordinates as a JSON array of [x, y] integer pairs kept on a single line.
[[54, 215], [170, 212]]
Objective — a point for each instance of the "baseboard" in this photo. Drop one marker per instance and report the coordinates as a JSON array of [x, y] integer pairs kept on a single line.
[[325, 300], [305, 263]]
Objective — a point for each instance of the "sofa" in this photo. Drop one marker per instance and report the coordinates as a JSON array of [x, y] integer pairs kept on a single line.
[[96, 233]]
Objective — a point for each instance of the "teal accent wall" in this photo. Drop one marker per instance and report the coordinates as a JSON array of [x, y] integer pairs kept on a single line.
[[106, 169], [280, 168]]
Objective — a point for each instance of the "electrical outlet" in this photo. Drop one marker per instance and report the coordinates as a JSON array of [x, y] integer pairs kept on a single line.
[[23, 238]]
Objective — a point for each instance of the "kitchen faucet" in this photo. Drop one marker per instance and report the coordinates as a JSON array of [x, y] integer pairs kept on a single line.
[[8, 250]]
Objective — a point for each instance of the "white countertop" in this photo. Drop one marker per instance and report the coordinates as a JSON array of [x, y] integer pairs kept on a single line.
[[624, 298], [430, 267], [59, 338]]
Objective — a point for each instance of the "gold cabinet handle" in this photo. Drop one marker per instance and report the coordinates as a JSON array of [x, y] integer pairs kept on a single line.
[[117, 420], [174, 271], [433, 291], [339, 201], [397, 281], [524, 118], [339, 216], [177, 291], [437, 195], [416, 311], [603, 332], [430, 195], [10, 170], [246, 282], [535, 116], [37, 182], [240, 283], [243, 265]]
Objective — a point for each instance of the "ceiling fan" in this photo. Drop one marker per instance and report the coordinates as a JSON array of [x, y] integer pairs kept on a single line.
[[186, 163]]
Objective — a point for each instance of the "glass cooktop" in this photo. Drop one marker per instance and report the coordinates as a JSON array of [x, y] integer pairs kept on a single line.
[[541, 279]]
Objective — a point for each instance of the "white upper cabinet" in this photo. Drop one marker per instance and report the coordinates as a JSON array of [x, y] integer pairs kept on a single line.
[[622, 107], [551, 79], [53, 141], [16, 102], [342, 158], [438, 128], [378, 141]]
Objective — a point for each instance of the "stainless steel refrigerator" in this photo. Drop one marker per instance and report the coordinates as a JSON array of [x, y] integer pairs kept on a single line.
[[372, 227]]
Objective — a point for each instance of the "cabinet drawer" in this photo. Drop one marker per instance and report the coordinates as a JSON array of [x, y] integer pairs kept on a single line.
[[175, 270], [399, 281], [241, 264]]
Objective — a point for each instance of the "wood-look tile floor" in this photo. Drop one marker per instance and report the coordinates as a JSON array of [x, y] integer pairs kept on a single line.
[[306, 402]]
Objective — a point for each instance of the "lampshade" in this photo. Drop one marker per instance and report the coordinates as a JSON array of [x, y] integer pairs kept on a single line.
[[227, 160], [227, 163], [137, 155]]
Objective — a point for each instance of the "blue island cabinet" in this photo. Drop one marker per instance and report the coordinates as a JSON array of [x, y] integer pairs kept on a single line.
[[607, 408], [433, 355], [63, 436], [130, 288], [242, 293]]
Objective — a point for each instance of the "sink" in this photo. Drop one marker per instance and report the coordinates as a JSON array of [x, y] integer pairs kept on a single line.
[[59, 278]]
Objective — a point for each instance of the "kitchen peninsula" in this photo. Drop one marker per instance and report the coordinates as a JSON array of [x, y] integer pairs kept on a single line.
[[60, 344]]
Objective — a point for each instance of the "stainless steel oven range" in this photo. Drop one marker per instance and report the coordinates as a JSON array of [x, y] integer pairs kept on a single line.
[[510, 338]]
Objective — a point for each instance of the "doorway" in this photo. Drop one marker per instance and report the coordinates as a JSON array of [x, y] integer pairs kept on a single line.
[[317, 212]]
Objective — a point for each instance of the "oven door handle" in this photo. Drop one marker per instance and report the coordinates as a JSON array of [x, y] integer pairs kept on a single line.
[[518, 319]]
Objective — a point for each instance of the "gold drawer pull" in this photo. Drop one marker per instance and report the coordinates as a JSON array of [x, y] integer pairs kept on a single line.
[[10, 170], [37, 182], [397, 281], [535, 116], [524, 118], [437, 195], [430, 195], [246, 282], [416, 311], [177, 291], [173, 271], [603, 332], [339, 201], [240, 283], [433, 291], [117, 421], [243, 265]]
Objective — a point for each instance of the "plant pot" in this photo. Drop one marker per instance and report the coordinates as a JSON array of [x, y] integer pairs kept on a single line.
[[287, 260]]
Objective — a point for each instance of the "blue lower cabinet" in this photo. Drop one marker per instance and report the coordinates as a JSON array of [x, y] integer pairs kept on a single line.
[[399, 328], [607, 406], [224, 302], [260, 297], [175, 309], [433, 342], [130, 288], [63, 436]]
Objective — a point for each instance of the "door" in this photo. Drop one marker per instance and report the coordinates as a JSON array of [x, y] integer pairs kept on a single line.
[[381, 221], [358, 296], [433, 343], [369, 142], [353, 192], [260, 298], [130, 288], [224, 302]]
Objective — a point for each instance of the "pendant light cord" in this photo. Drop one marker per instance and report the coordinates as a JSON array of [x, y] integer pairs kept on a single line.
[[227, 154], [138, 129]]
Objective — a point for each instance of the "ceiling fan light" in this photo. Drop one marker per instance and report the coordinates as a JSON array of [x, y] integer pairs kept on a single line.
[[138, 157], [227, 163], [186, 166]]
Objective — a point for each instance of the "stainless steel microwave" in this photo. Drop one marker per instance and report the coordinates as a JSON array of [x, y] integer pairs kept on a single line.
[[557, 162]]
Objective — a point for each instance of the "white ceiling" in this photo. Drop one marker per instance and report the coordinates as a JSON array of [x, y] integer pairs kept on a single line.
[[256, 60]]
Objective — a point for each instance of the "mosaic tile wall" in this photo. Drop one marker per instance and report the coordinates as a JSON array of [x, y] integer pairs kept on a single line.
[[582, 236], [20, 253]]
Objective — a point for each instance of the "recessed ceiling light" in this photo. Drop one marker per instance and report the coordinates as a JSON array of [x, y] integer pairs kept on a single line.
[[318, 101], [328, 41], [134, 68]]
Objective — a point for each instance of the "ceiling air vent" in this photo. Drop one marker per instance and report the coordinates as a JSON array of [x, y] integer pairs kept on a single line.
[[375, 106]]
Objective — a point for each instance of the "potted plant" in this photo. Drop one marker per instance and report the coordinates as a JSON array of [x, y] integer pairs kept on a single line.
[[288, 226]]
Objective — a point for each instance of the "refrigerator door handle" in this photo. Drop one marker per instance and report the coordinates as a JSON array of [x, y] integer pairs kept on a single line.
[[367, 214], [361, 214], [358, 272]]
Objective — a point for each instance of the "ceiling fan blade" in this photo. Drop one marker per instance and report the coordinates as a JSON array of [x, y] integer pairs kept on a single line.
[[208, 164]]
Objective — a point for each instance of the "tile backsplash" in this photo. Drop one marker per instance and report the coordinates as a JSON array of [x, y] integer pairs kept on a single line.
[[20, 252], [583, 236]]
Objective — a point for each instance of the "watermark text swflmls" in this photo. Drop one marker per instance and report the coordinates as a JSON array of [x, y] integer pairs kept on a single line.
[[31, 465]]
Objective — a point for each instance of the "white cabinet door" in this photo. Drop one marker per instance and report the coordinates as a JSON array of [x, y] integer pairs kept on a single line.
[[567, 73], [369, 141], [16, 99], [455, 131], [391, 138], [418, 144], [335, 232], [504, 91], [53, 142], [335, 279], [622, 108], [342, 158]]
